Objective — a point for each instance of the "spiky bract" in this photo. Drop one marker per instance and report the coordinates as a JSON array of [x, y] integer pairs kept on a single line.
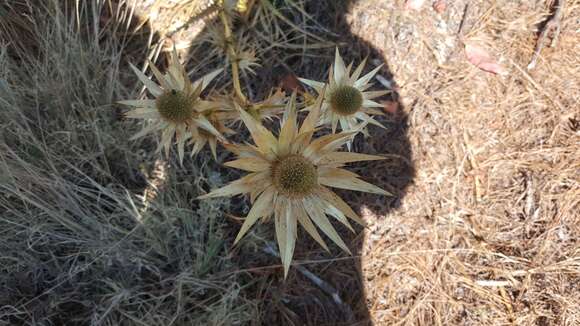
[[289, 176], [178, 110], [347, 101]]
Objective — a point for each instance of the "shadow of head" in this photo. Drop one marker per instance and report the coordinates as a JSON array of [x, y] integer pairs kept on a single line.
[[311, 30], [301, 44]]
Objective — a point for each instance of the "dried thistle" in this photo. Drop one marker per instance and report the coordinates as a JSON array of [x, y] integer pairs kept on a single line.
[[347, 100], [177, 110], [289, 176]]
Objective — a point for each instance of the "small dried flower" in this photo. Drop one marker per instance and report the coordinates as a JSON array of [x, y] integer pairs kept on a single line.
[[177, 110], [347, 100]]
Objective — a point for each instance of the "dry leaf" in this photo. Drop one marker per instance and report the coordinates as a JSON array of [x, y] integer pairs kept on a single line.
[[414, 4], [290, 83], [480, 58], [439, 6], [391, 107]]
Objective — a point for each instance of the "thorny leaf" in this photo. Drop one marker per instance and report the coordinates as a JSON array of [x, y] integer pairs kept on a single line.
[[480, 58]]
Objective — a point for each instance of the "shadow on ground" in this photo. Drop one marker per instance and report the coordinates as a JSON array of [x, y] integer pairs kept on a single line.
[[298, 301]]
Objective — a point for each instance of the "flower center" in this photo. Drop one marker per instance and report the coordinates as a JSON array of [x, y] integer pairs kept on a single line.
[[175, 106], [346, 100], [294, 176]]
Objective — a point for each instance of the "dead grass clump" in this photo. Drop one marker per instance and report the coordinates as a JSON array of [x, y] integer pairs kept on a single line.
[[78, 245]]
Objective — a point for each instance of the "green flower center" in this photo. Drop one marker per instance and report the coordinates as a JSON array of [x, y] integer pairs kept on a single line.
[[346, 100], [175, 106], [294, 176]]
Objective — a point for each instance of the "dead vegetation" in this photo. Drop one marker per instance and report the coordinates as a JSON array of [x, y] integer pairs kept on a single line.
[[488, 232], [484, 229]]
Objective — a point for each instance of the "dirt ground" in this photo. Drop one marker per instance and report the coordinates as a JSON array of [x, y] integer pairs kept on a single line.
[[485, 226], [488, 232]]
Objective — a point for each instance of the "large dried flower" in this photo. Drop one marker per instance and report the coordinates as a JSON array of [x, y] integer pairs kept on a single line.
[[289, 176]]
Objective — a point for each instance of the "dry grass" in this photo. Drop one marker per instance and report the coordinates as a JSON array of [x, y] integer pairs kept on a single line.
[[78, 245], [488, 234]]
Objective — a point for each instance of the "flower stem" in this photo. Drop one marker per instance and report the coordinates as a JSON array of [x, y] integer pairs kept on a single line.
[[233, 57]]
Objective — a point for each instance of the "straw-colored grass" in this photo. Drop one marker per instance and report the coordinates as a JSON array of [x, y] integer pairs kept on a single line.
[[92, 231], [488, 234]]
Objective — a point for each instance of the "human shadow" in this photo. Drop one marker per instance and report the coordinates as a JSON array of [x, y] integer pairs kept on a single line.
[[298, 300]]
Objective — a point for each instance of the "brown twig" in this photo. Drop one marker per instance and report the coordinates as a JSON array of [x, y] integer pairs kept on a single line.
[[552, 25], [463, 19], [325, 286]]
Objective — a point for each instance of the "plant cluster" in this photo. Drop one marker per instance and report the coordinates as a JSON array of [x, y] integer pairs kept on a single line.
[[289, 174]]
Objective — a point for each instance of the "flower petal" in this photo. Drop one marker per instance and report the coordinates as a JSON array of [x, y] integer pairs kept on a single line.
[[263, 138], [289, 128], [213, 147], [327, 143], [344, 180], [335, 200], [149, 129], [166, 138], [371, 104], [149, 84], [205, 80], [339, 68], [366, 78], [358, 71], [291, 234], [280, 226], [139, 103], [160, 78], [252, 164], [243, 185], [368, 119], [175, 71], [316, 212], [340, 158], [313, 115], [207, 125], [374, 94], [306, 223], [336, 213], [318, 86], [262, 207], [332, 172]]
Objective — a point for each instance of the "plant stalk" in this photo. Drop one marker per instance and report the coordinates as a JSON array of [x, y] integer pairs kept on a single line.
[[233, 57]]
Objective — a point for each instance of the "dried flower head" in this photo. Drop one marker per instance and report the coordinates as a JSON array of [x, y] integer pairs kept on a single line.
[[177, 109], [289, 176], [267, 109], [347, 100]]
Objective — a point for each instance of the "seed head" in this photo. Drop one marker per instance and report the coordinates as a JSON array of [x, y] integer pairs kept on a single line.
[[175, 106], [346, 100], [294, 176]]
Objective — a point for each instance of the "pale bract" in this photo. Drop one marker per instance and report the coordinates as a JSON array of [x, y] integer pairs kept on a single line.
[[347, 100], [289, 179], [177, 111]]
